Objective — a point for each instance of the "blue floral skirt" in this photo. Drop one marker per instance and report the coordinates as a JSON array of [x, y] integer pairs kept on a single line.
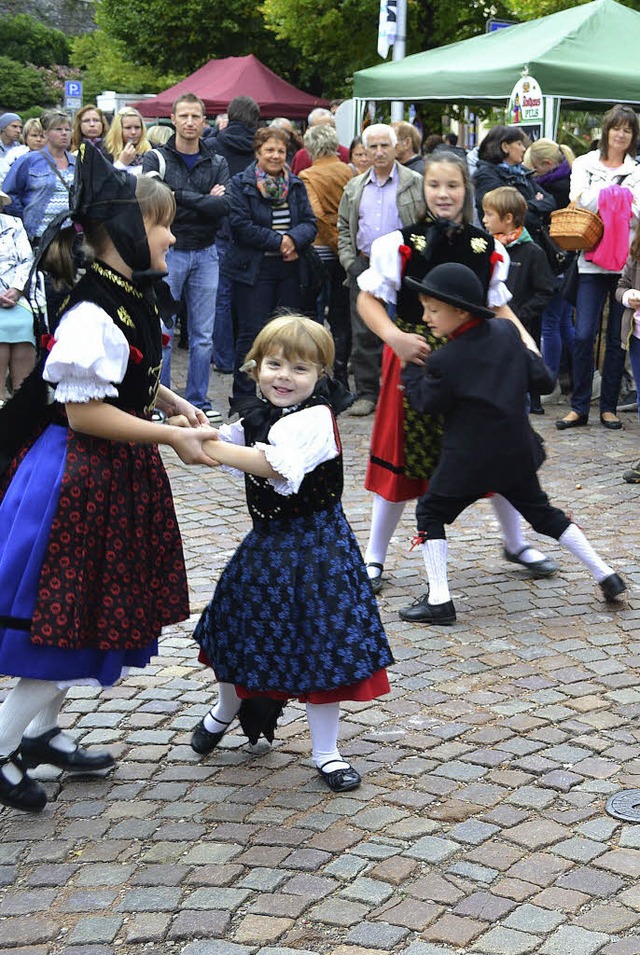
[[293, 611]]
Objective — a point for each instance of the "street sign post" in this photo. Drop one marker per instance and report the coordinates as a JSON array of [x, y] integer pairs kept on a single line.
[[73, 94]]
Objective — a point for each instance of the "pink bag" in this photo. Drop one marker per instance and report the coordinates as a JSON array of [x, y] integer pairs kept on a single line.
[[614, 206]]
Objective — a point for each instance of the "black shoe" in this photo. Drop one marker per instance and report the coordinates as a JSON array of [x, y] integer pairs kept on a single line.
[[38, 750], [612, 422], [423, 612], [612, 586], [202, 741], [572, 420], [376, 582], [537, 568], [340, 780], [26, 794]]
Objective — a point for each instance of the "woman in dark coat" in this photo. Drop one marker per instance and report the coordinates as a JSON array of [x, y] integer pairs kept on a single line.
[[500, 164], [271, 223]]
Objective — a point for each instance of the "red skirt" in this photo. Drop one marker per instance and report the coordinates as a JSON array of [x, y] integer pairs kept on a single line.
[[385, 472], [374, 686]]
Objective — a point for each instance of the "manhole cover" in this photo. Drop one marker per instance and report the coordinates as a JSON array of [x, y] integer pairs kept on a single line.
[[625, 805]]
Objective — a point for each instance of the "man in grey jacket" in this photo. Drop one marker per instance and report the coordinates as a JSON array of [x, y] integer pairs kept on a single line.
[[385, 198]]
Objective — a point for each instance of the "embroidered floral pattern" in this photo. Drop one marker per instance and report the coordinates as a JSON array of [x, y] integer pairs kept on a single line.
[[478, 244], [419, 242]]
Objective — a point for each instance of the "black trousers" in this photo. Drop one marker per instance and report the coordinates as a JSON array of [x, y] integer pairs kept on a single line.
[[433, 511]]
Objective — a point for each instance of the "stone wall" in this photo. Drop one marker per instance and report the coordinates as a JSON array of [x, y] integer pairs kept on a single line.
[[70, 16]]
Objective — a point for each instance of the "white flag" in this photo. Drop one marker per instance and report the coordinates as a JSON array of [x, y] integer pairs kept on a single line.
[[387, 26]]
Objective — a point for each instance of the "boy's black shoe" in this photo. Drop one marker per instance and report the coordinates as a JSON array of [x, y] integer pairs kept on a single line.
[[612, 586], [423, 612]]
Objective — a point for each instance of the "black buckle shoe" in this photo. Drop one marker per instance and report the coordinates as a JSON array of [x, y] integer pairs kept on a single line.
[[202, 741], [537, 568], [26, 794], [376, 582], [37, 750], [612, 586], [340, 780], [423, 612]]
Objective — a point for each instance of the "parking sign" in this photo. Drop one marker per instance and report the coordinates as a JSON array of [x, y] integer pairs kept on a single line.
[[73, 94]]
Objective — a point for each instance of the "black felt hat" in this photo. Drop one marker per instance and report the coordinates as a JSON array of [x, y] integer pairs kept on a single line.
[[456, 285]]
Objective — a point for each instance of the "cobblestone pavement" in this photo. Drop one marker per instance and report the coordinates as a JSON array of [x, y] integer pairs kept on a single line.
[[480, 826]]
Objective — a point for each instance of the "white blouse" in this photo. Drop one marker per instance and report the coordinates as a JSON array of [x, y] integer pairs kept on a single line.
[[383, 278], [89, 356], [297, 443]]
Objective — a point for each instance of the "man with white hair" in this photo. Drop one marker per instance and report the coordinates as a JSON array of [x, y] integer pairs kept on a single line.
[[385, 198], [317, 117]]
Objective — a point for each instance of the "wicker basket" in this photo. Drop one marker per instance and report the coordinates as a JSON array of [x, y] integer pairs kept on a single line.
[[576, 229]]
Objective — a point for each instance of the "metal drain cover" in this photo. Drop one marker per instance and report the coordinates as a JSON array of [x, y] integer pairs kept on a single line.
[[625, 805]]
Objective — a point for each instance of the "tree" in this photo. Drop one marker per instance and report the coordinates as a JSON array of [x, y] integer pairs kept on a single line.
[[105, 66], [26, 40], [181, 35], [20, 86]]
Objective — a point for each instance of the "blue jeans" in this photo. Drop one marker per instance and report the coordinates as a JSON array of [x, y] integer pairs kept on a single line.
[[593, 291], [277, 287], [194, 275], [557, 332], [223, 337], [634, 361]]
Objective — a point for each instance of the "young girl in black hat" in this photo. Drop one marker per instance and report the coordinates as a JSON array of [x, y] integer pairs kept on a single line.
[[91, 563], [292, 614], [478, 381]]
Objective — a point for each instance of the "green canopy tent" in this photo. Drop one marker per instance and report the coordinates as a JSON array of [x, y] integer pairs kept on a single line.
[[586, 56]]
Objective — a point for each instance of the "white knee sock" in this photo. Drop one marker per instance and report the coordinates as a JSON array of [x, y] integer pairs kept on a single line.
[[323, 719], [511, 526], [578, 545], [223, 712], [385, 516], [434, 554], [24, 702], [47, 719]]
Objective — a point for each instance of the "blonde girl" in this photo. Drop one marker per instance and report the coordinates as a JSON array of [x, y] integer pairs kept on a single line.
[[293, 614], [126, 142]]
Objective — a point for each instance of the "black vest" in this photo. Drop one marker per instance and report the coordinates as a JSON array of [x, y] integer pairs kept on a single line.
[[435, 243], [138, 321], [320, 489]]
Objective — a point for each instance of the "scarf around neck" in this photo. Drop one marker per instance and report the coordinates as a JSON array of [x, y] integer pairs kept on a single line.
[[274, 189]]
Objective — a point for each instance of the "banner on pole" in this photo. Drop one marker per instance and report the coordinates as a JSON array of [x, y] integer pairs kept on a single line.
[[387, 26]]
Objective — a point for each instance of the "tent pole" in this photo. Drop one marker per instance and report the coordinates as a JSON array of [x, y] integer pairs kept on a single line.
[[551, 116], [399, 52]]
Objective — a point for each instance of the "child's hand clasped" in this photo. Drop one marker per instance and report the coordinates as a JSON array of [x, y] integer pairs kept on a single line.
[[410, 348]]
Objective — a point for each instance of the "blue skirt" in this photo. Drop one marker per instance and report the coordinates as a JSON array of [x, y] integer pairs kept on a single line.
[[293, 611], [26, 515]]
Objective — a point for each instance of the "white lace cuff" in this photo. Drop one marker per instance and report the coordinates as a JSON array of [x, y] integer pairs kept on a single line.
[[288, 463], [81, 390], [383, 277]]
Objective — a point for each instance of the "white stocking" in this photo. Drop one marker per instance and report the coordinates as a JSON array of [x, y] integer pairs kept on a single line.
[[385, 516], [578, 545], [223, 712], [511, 526], [47, 719], [24, 702], [323, 719], [434, 554]]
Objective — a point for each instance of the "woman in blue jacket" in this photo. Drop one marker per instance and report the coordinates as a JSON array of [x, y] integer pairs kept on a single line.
[[271, 223], [39, 182]]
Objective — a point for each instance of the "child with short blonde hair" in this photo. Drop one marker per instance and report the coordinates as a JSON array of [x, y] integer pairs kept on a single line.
[[293, 614]]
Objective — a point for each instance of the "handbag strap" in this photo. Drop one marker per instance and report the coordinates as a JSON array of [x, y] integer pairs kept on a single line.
[[57, 172]]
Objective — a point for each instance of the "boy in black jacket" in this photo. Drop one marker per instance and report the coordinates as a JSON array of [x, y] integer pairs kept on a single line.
[[530, 280], [479, 381]]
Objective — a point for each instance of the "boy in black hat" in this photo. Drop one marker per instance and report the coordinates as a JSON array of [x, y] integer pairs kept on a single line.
[[479, 382]]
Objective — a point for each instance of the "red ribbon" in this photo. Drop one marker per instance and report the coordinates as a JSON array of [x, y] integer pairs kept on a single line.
[[165, 339], [405, 254], [135, 355], [47, 342]]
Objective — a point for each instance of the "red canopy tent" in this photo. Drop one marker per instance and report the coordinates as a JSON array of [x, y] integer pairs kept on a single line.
[[218, 81]]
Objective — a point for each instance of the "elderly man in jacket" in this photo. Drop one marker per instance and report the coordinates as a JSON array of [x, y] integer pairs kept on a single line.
[[385, 198]]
